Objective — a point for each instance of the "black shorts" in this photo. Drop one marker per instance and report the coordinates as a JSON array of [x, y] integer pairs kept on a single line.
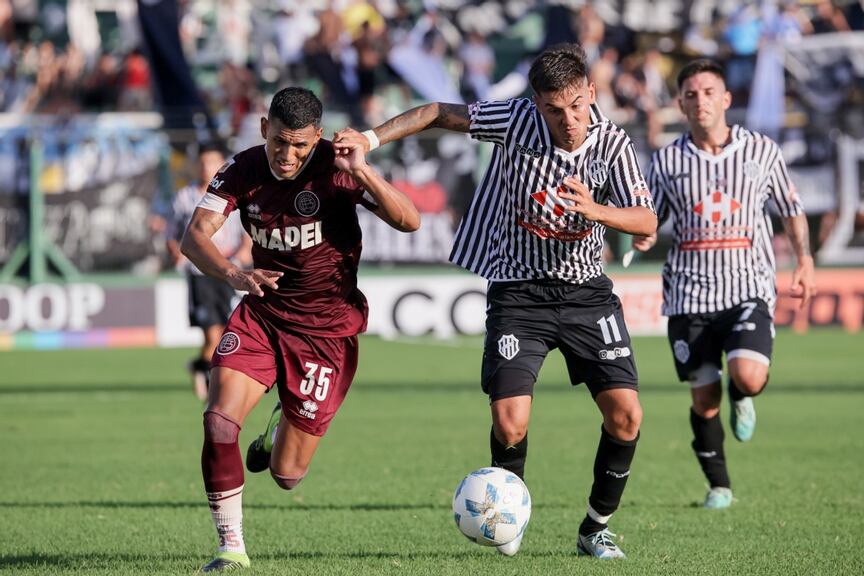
[[525, 320], [210, 301], [745, 330]]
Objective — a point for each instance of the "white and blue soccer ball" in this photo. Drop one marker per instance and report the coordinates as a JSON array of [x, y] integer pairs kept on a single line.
[[491, 506]]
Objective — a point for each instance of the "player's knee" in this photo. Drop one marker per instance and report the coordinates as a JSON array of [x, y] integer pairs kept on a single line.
[[287, 482], [624, 422], [219, 428], [751, 380], [510, 432]]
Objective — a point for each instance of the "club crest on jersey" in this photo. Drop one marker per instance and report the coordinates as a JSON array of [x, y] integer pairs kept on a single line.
[[681, 350], [508, 346], [253, 211], [752, 170], [598, 171], [716, 207], [229, 344], [307, 203]]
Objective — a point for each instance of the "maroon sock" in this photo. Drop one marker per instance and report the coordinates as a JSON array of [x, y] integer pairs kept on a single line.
[[221, 463]]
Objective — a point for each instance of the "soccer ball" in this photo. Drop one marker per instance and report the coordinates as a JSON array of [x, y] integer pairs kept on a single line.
[[491, 506]]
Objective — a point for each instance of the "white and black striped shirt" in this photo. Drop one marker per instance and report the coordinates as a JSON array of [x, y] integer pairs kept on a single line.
[[515, 227], [721, 253]]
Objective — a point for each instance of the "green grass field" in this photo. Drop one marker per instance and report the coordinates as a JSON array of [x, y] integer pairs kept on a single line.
[[99, 470]]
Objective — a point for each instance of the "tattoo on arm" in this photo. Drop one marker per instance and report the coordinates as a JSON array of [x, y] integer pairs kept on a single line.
[[453, 117], [448, 116]]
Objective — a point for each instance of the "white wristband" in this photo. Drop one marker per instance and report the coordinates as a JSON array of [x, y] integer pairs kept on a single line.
[[372, 138]]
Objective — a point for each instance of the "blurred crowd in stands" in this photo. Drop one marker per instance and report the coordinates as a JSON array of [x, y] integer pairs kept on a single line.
[[370, 59]]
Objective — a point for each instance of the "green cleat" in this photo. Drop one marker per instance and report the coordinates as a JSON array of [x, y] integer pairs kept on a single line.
[[225, 561], [599, 545], [258, 453], [718, 498], [742, 418]]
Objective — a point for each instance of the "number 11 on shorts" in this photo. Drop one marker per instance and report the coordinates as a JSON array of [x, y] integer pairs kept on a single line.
[[609, 327]]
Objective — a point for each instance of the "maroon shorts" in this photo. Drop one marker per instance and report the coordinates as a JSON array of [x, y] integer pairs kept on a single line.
[[312, 373]]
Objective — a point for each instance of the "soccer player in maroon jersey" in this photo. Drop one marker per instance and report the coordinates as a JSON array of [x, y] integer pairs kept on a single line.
[[297, 327]]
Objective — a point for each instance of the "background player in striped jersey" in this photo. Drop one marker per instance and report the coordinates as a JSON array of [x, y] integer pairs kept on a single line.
[[210, 300], [560, 174], [297, 327], [719, 281]]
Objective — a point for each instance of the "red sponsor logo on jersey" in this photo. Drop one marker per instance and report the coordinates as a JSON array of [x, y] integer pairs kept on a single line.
[[229, 344], [716, 207], [550, 200]]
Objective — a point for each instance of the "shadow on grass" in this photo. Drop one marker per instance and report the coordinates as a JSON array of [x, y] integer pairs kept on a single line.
[[414, 387], [294, 506], [93, 561]]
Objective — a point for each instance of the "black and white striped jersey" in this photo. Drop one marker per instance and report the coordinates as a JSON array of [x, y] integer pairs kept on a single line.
[[516, 227], [721, 253]]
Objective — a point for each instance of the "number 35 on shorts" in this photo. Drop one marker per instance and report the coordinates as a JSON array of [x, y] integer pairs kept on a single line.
[[316, 383]]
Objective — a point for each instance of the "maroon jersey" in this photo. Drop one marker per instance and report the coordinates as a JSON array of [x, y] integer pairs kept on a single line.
[[305, 228]]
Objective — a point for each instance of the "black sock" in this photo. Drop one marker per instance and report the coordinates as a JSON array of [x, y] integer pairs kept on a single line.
[[611, 470], [708, 445], [734, 393], [510, 458], [737, 395], [202, 365]]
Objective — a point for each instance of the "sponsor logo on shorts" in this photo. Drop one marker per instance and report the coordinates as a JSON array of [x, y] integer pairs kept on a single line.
[[307, 203], [309, 408], [615, 353], [744, 327], [508, 346], [681, 350], [229, 344]]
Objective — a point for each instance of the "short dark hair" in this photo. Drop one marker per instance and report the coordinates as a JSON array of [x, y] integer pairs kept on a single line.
[[296, 108], [211, 146], [697, 67], [558, 67]]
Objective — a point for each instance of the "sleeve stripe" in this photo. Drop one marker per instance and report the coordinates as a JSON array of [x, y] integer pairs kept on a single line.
[[213, 202]]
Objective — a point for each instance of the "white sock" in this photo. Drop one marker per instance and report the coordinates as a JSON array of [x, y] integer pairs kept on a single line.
[[227, 511], [597, 517]]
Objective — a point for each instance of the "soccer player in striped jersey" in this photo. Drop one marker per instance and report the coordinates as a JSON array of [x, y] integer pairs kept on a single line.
[[719, 281], [560, 174]]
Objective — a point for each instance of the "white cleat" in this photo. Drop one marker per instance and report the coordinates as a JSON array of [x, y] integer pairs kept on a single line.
[[599, 545], [512, 547]]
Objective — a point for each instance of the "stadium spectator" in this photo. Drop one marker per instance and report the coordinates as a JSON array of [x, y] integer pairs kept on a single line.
[[297, 327], [135, 90], [210, 300], [718, 282], [538, 239], [828, 18], [478, 65]]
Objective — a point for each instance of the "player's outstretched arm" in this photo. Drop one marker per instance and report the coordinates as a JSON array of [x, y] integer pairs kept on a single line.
[[394, 207], [453, 117], [197, 245], [804, 277]]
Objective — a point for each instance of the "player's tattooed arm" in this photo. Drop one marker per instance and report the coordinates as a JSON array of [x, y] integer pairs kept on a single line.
[[197, 245], [804, 276], [453, 117]]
